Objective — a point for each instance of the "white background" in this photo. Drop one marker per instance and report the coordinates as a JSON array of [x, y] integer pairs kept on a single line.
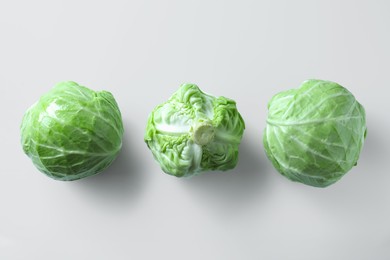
[[141, 51]]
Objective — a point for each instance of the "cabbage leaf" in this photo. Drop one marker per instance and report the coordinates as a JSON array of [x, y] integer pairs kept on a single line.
[[315, 133], [72, 132], [194, 132]]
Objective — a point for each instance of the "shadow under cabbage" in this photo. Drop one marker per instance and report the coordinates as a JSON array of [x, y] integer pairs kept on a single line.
[[236, 189], [119, 184]]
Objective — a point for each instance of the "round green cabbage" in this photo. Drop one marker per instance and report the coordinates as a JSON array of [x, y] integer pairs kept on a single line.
[[72, 132], [314, 134], [194, 132]]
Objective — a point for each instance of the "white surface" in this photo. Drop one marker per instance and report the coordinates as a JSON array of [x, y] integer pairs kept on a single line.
[[141, 51]]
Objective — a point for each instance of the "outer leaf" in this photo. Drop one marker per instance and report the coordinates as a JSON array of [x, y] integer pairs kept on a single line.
[[314, 134], [72, 132], [194, 132]]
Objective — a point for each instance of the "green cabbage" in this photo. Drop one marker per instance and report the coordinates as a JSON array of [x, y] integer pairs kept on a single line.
[[194, 132], [314, 134], [72, 132]]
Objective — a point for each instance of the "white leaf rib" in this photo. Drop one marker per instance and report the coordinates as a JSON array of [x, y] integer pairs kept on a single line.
[[172, 130], [197, 152], [70, 93], [296, 172], [65, 152], [307, 148], [301, 95], [100, 117], [221, 136], [322, 102], [318, 139], [82, 131], [285, 97], [104, 120], [306, 122]]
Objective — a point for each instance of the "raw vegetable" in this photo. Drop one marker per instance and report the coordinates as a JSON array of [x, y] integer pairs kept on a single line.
[[194, 132], [315, 133], [72, 132]]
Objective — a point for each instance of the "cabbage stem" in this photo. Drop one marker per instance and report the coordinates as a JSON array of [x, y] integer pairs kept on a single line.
[[203, 133]]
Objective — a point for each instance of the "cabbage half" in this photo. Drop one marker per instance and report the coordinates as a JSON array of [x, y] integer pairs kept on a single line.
[[72, 132], [314, 134], [194, 132]]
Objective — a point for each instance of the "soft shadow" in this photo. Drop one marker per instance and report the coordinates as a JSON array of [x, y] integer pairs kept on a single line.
[[121, 183], [375, 150], [232, 191]]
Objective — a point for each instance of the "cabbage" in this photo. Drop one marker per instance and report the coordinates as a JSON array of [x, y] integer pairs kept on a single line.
[[314, 134], [194, 132], [72, 132]]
